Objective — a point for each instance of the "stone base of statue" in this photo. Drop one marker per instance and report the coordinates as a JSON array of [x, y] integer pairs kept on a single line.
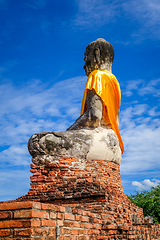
[[85, 144]]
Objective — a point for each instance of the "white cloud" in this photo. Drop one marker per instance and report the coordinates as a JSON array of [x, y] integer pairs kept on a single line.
[[147, 11], [33, 108], [146, 184], [132, 85], [97, 12], [13, 183], [152, 87], [140, 134], [142, 87], [15, 155], [140, 127], [145, 15]]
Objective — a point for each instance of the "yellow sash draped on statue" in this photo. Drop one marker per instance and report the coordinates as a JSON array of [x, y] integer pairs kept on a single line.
[[107, 88]]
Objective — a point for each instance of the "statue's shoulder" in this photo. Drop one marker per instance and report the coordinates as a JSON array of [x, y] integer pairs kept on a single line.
[[109, 74], [101, 72]]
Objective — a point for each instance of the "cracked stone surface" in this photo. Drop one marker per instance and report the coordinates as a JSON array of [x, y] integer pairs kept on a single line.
[[98, 143]]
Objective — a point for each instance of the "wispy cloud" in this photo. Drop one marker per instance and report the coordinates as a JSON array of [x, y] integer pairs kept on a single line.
[[33, 108], [146, 184], [91, 11], [145, 14], [13, 183], [140, 126], [45, 25], [142, 87], [36, 4]]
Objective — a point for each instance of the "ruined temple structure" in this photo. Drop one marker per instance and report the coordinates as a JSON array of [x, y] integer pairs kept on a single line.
[[76, 191]]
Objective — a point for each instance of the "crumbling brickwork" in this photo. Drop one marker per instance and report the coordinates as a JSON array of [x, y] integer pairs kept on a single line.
[[42, 221], [69, 178], [70, 199]]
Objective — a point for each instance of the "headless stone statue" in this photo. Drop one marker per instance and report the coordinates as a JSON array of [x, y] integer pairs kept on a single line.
[[95, 134]]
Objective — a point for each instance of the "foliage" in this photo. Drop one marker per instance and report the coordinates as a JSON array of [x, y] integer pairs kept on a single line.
[[149, 201]]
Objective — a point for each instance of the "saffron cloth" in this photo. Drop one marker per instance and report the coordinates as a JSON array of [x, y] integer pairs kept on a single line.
[[106, 86]]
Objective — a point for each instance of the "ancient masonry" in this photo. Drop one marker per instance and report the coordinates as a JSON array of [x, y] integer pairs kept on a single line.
[[66, 202]]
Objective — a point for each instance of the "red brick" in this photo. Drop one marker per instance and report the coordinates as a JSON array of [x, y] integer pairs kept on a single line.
[[22, 232], [39, 231], [15, 205], [67, 238], [89, 180], [15, 223], [52, 215], [35, 223], [60, 223], [33, 170], [112, 232], [34, 166], [60, 215], [48, 223], [52, 231], [5, 214], [68, 231], [19, 205], [48, 206], [88, 225], [23, 214], [85, 219], [30, 214], [36, 205], [69, 224], [50, 238], [40, 214], [77, 218], [82, 231], [20, 238], [5, 232], [69, 216], [78, 225]]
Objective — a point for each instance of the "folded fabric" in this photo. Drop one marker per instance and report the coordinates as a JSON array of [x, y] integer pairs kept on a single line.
[[107, 88]]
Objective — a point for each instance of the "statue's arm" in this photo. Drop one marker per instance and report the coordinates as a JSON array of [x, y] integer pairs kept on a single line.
[[92, 116]]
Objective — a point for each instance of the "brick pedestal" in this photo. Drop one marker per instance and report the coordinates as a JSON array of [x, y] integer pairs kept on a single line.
[[77, 200], [68, 178], [41, 221]]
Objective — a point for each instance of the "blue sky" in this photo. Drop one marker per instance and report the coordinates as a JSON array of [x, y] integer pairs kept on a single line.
[[42, 44]]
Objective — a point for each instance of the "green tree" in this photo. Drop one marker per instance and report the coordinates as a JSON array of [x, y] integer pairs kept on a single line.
[[149, 201]]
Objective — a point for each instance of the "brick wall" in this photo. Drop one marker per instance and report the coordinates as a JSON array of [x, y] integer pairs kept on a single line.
[[71, 199], [72, 178], [42, 221], [94, 185]]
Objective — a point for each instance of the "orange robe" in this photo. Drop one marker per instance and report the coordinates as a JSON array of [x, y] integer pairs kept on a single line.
[[107, 88]]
